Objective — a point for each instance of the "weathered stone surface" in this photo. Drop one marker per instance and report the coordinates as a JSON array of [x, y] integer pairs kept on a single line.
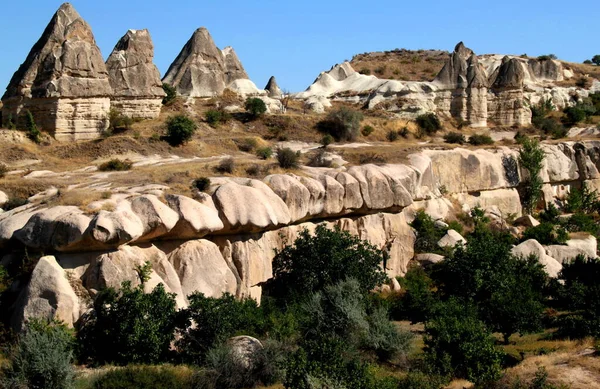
[[427, 259], [564, 253], [532, 247], [156, 217], [14, 220], [48, 295], [273, 89], [233, 66], [379, 190], [197, 218], [201, 268], [63, 82], [507, 106], [503, 201], [527, 221], [451, 239], [3, 198], [116, 228], [295, 195], [134, 78], [585, 242], [352, 195], [243, 348]]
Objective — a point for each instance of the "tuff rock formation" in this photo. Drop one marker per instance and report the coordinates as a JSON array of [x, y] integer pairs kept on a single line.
[[507, 104], [134, 78], [63, 81], [202, 70], [273, 89]]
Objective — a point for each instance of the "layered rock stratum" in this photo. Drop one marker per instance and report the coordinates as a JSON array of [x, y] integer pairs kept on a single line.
[[63, 82], [135, 80], [224, 239]]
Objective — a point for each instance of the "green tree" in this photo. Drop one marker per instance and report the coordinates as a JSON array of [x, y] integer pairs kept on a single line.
[[325, 258], [255, 107], [596, 59], [531, 157], [170, 94], [428, 234], [32, 131], [458, 344], [180, 129], [416, 299], [342, 123], [42, 358], [428, 123], [129, 326]]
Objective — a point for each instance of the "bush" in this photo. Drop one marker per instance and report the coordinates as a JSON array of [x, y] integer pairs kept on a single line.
[[327, 140], [3, 170], [180, 129], [455, 137], [129, 326], [327, 257], [202, 183], [148, 377], [264, 152], [117, 121], [342, 123], [416, 299], [225, 166], [253, 170], [541, 110], [41, 358], [546, 57], [214, 117], [419, 380], [255, 106], [582, 200], [371, 158], [209, 322], [478, 140], [458, 344], [427, 233], [404, 132], [318, 159], [392, 136], [428, 123], [171, 94], [287, 158], [116, 165], [367, 130], [530, 158], [552, 127], [384, 338], [596, 59], [32, 131], [546, 234], [247, 144]]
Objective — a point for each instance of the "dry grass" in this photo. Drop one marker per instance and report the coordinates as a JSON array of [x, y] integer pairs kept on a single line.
[[404, 65]]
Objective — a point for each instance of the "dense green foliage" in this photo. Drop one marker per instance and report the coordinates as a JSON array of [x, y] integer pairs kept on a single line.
[[417, 297], [480, 139], [41, 358], [531, 157], [342, 123], [214, 117], [32, 131], [546, 233], [455, 137], [147, 377], [428, 234], [180, 129], [255, 106], [202, 183], [170, 94], [287, 158], [129, 326], [428, 123]]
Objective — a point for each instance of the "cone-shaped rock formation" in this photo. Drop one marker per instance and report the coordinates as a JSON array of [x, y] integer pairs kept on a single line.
[[63, 82], [134, 77], [273, 89]]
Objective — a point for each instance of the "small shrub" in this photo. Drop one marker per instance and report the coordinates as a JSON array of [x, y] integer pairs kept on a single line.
[[365, 71], [32, 131], [10, 124], [154, 138], [225, 166], [327, 140], [371, 158], [171, 94], [287, 158], [404, 132], [455, 137], [202, 183], [253, 170], [248, 144], [582, 200], [546, 57], [342, 124], [367, 130], [255, 107], [264, 152], [546, 234], [41, 358], [117, 122], [116, 165], [3, 170], [392, 136], [214, 117], [180, 129], [428, 123], [588, 62], [318, 159], [380, 70], [478, 140]]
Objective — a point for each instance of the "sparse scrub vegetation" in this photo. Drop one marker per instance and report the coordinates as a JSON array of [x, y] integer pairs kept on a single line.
[[170, 94], [287, 158], [255, 107], [116, 165], [367, 130], [480, 139], [264, 152], [392, 136], [225, 166], [215, 117], [428, 123], [32, 131], [455, 137], [342, 123]]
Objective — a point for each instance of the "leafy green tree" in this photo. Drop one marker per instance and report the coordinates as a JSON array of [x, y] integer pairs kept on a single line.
[[428, 234], [531, 157], [428, 123], [325, 258], [180, 129], [546, 234], [583, 200], [342, 123], [129, 326], [416, 299], [255, 107], [32, 131], [42, 358], [171, 94], [596, 59], [458, 344]]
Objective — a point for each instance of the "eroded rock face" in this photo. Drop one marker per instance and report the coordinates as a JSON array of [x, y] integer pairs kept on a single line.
[[233, 66], [63, 82], [507, 103], [134, 78], [273, 89], [532, 247]]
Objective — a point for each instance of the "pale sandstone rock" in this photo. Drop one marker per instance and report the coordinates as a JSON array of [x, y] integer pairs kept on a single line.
[[505, 201], [585, 242], [532, 247], [451, 239], [14, 220], [156, 217], [427, 259], [63, 82], [233, 66], [201, 268], [374, 186], [243, 348], [116, 228], [273, 89], [197, 218], [295, 195], [527, 221], [352, 196], [564, 254], [3, 198], [48, 295], [333, 202]]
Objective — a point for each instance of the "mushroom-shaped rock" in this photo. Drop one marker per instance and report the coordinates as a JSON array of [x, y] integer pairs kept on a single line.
[[112, 229], [250, 206], [201, 268], [157, 218], [197, 218], [273, 89], [451, 239], [48, 295], [533, 247]]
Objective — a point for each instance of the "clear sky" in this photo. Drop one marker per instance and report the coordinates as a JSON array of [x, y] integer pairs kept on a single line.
[[296, 40]]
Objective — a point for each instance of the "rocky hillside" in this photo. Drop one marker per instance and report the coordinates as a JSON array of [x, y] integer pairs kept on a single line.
[[401, 64]]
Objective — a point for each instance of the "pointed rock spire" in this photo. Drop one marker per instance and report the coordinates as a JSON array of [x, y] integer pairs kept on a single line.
[[233, 66], [273, 89], [511, 74], [454, 73], [476, 75]]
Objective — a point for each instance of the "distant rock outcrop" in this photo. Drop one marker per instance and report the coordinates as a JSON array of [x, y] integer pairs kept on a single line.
[[63, 82], [202, 70], [134, 77], [273, 89], [507, 103]]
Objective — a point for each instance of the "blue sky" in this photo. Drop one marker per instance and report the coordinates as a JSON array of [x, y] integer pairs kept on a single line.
[[296, 40]]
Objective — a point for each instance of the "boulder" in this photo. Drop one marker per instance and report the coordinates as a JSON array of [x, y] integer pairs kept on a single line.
[[15, 219], [134, 78], [427, 259], [584, 242], [243, 348], [63, 81], [197, 218], [527, 221], [503, 202], [333, 202], [48, 295], [532, 247], [113, 229], [295, 195], [156, 217], [564, 253], [451, 239], [374, 187], [201, 268], [3, 199], [273, 90]]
